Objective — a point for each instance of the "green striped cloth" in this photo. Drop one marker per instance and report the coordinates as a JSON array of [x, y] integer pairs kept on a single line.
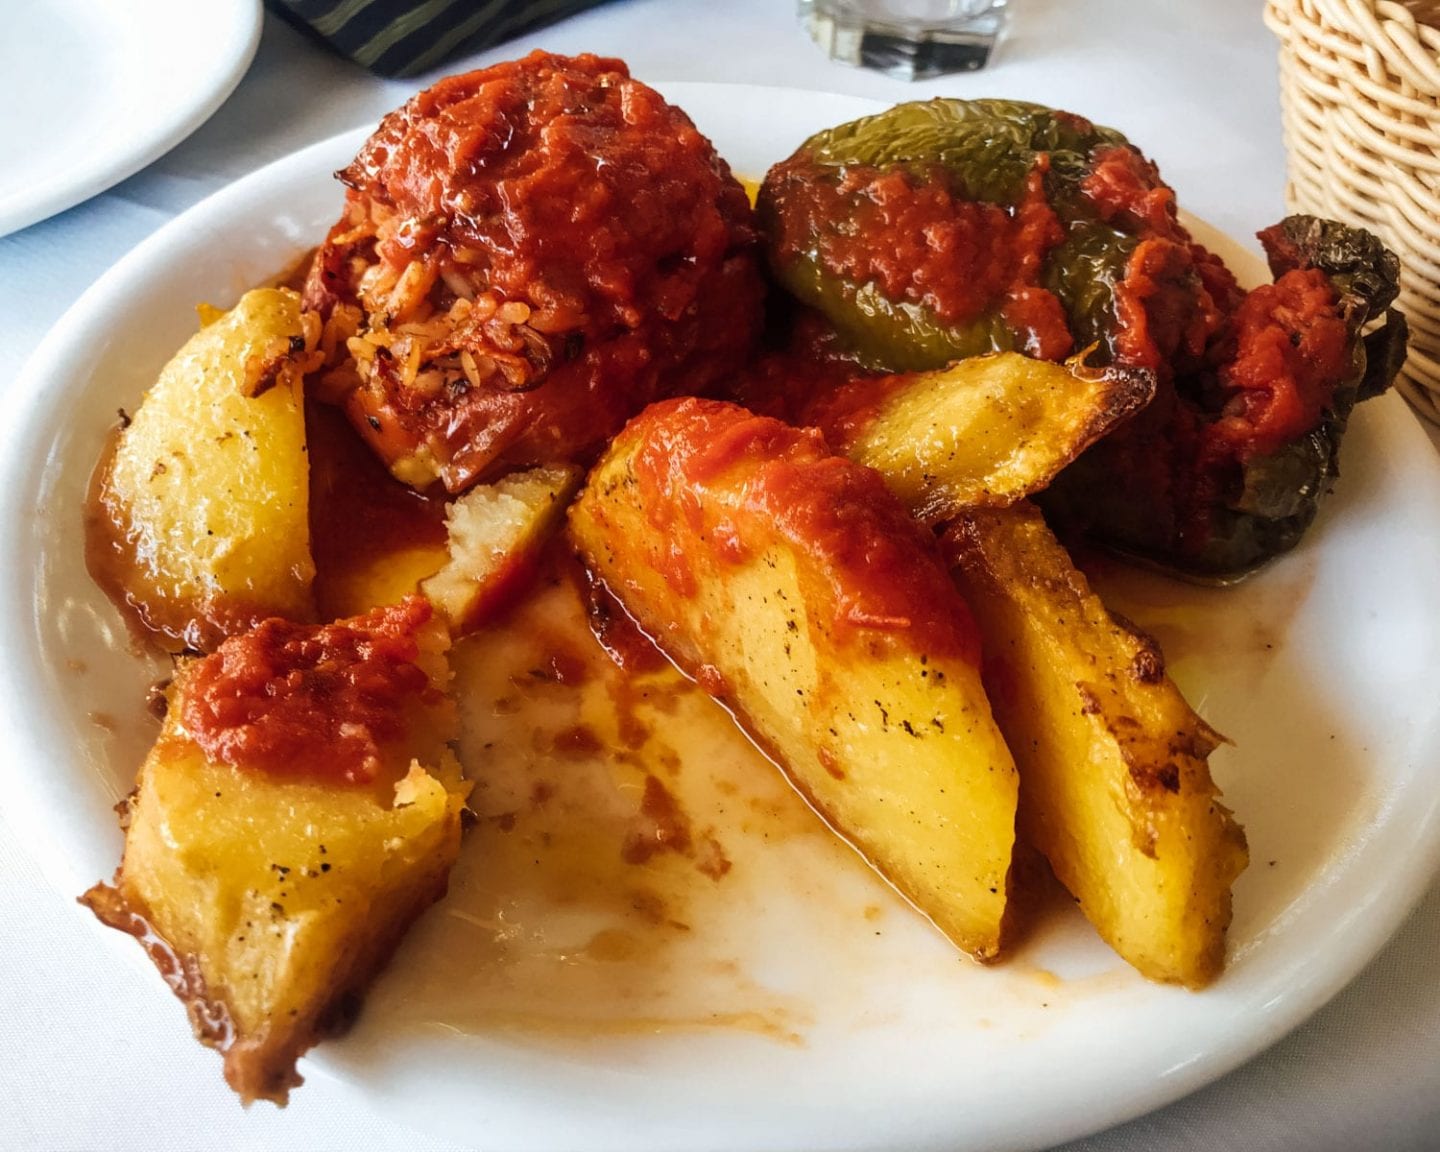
[[403, 37]]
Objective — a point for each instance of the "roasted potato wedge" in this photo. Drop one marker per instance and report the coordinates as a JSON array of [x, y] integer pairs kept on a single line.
[[495, 535], [797, 590], [268, 900], [983, 432], [1115, 789], [201, 522]]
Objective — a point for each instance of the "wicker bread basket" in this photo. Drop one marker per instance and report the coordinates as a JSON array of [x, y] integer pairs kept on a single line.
[[1360, 99]]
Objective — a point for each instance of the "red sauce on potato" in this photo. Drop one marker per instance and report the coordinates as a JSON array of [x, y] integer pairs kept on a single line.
[[310, 701], [739, 482]]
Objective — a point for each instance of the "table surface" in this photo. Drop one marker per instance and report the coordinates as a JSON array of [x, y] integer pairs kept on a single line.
[[94, 1054]]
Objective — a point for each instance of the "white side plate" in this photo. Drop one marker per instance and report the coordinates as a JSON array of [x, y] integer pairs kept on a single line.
[[93, 92]]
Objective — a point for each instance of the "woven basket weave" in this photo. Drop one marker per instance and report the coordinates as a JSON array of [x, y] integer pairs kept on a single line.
[[1360, 99]]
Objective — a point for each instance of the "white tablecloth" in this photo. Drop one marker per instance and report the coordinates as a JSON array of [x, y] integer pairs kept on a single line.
[[92, 1055]]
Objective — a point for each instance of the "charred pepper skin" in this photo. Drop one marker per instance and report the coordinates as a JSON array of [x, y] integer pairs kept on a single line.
[[1219, 516], [1226, 468]]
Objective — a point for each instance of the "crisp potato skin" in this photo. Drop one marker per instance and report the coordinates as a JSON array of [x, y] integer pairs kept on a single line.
[[983, 432], [1115, 787], [201, 522], [794, 586], [269, 902]]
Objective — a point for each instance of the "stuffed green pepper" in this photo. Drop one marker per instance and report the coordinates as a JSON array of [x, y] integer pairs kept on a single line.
[[946, 229]]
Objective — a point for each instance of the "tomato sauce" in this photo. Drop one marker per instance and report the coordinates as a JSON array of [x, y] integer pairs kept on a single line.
[[1292, 346], [1163, 313], [845, 413], [318, 702], [917, 241], [772, 482], [805, 358], [1124, 187]]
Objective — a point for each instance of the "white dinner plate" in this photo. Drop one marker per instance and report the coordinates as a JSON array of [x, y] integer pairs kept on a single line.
[[1322, 669], [92, 92]]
